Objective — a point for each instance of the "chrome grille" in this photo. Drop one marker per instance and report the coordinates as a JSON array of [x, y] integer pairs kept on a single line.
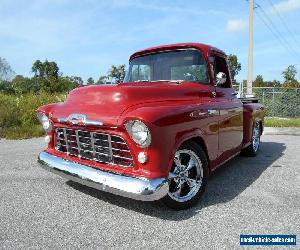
[[100, 147]]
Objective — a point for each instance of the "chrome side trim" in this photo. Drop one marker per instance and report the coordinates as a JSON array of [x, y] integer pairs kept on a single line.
[[131, 187], [212, 111]]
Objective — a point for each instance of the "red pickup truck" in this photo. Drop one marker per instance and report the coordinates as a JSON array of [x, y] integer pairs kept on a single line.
[[160, 133]]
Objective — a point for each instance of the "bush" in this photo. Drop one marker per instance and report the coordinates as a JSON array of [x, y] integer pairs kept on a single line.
[[18, 113]]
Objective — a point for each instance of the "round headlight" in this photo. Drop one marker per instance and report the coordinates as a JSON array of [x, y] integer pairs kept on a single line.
[[139, 132], [46, 123]]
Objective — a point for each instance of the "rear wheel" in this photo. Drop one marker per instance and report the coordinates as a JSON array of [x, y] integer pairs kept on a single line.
[[253, 148], [188, 177]]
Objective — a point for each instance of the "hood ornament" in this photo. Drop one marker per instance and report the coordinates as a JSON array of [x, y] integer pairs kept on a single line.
[[79, 119]]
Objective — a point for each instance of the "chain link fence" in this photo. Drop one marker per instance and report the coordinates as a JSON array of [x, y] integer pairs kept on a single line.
[[278, 101]]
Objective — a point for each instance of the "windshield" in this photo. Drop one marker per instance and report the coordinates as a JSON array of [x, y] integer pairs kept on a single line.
[[180, 65]]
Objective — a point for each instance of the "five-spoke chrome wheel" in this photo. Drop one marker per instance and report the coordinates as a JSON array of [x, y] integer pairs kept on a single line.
[[186, 176]]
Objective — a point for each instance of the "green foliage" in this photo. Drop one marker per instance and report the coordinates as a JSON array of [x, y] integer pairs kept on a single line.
[[6, 87], [45, 69], [22, 85], [102, 80], [289, 74], [90, 81], [276, 83], [76, 80], [259, 81], [16, 133], [292, 84], [18, 113], [234, 66], [280, 122], [117, 73]]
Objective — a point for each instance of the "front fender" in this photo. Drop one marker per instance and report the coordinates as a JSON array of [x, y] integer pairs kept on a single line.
[[170, 126]]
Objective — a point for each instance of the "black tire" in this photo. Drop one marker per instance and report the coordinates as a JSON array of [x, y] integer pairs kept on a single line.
[[199, 190], [252, 149]]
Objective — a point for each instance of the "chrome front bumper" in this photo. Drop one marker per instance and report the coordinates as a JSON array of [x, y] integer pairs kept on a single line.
[[131, 187]]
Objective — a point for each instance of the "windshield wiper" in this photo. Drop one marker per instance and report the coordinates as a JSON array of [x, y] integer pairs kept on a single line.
[[175, 81], [141, 81]]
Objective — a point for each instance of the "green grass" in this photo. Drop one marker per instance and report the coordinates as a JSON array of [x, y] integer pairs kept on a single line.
[[16, 133], [282, 122]]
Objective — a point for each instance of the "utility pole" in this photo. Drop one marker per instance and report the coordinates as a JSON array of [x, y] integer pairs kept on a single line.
[[250, 50]]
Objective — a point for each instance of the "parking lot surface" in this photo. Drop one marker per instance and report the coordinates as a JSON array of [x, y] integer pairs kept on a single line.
[[40, 210]]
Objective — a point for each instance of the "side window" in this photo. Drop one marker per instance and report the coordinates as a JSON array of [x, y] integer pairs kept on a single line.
[[219, 64], [140, 72]]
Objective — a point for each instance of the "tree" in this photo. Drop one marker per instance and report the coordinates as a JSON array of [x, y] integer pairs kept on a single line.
[[49, 79], [45, 69], [117, 73], [22, 85], [276, 83], [234, 66], [77, 80], [6, 72], [102, 80], [259, 81], [65, 84], [90, 81], [51, 69], [289, 74], [38, 68]]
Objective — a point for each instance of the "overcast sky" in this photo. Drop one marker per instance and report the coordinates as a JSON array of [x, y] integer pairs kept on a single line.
[[86, 37]]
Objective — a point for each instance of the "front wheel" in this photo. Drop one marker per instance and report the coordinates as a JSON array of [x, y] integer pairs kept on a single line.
[[188, 177]]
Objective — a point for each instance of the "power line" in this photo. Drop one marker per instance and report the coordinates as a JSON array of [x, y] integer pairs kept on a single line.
[[276, 29], [274, 33], [283, 22], [272, 27]]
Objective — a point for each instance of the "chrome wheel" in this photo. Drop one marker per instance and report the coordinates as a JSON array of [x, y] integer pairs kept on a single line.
[[186, 176], [256, 136]]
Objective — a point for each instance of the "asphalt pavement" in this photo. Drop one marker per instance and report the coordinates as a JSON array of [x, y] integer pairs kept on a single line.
[[40, 210]]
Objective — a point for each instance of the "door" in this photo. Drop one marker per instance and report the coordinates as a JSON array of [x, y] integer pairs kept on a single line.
[[230, 111]]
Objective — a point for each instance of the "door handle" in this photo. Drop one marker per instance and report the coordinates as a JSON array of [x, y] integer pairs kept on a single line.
[[234, 93]]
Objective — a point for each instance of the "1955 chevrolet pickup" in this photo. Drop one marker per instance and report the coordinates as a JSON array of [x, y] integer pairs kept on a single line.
[[160, 133]]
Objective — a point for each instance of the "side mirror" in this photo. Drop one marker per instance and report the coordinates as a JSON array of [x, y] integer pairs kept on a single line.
[[220, 78]]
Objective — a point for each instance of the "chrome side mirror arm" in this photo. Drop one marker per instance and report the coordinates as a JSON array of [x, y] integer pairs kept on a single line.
[[220, 78]]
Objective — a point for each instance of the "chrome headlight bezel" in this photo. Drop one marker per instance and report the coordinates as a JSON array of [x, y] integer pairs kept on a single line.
[[45, 121], [139, 132]]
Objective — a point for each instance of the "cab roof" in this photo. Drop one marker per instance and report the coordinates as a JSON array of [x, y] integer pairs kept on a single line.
[[203, 47]]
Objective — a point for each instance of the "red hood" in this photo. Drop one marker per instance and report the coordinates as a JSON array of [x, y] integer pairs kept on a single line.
[[107, 102]]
